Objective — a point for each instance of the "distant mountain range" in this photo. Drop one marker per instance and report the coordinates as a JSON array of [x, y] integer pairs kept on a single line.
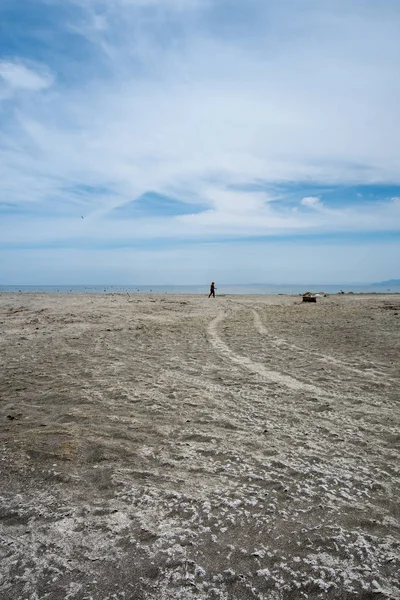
[[389, 282]]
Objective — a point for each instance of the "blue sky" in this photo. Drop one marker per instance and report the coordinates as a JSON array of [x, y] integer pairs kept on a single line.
[[182, 141]]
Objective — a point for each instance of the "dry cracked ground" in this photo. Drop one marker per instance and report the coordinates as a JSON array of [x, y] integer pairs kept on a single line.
[[175, 447]]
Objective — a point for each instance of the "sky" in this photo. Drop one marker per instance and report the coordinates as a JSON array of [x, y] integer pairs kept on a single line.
[[184, 141]]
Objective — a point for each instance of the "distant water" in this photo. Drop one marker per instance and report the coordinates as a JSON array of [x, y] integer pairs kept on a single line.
[[200, 289]]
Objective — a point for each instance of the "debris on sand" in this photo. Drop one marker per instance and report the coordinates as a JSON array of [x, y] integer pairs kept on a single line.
[[309, 297]]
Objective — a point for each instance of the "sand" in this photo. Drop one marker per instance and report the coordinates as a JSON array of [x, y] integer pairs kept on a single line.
[[175, 447]]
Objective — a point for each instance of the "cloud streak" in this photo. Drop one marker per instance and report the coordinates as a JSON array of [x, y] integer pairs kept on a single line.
[[15, 75]]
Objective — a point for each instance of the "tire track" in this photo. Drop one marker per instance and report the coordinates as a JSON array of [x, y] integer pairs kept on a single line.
[[243, 361], [330, 360]]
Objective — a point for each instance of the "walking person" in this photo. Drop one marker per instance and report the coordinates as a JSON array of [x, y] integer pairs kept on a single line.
[[212, 290]]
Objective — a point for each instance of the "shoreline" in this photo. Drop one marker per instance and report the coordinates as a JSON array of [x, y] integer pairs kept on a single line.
[[194, 294]]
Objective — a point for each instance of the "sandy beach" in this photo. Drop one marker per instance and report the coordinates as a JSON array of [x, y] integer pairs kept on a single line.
[[175, 447]]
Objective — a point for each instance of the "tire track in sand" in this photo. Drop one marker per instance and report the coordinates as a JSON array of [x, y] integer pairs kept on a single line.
[[330, 360], [243, 361]]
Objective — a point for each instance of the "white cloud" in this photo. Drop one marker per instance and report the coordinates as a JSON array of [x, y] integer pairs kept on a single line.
[[18, 76], [225, 201], [311, 201], [175, 114]]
